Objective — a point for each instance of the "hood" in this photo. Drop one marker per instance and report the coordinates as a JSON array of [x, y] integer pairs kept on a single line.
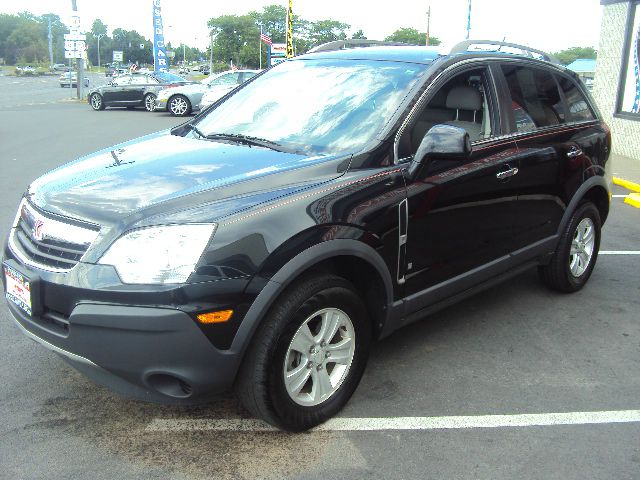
[[163, 173]]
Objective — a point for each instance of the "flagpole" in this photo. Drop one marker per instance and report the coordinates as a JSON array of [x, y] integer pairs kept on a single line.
[[260, 47]]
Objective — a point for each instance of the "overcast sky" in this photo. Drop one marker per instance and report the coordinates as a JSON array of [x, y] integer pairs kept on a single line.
[[545, 24]]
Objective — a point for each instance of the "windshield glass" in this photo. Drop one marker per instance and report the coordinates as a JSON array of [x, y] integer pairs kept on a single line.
[[165, 77], [316, 106]]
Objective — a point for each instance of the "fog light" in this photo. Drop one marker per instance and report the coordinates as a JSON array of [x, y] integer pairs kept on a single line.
[[215, 317]]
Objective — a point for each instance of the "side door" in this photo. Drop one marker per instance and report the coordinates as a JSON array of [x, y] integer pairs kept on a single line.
[[115, 94], [460, 213], [555, 147], [135, 91]]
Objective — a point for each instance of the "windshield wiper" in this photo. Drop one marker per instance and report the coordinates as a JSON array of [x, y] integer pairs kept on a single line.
[[249, 140], [193, 128]]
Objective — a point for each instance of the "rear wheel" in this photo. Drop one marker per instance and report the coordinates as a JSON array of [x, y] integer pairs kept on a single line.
[[150, 102], [577, 251], [179, 106], [308, 356], [96, 101]]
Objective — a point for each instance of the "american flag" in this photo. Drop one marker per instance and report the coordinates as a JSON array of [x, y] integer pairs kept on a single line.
[[265, 38]]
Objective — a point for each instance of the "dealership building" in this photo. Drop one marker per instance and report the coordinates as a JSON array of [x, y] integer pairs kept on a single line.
[[617, 78]]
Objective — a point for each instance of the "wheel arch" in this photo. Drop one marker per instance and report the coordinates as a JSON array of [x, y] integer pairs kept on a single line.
[[352, 259], [594, 189]]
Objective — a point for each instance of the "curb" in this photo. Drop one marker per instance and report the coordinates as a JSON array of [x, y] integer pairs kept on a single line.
[[634, 187], [633, 199]]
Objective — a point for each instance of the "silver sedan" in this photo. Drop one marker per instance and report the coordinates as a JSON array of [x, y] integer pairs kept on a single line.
[[184, 99]]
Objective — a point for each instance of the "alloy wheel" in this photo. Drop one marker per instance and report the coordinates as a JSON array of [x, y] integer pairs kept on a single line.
[[178, 106], [96, 101], [319, 357], [150, 102], [582, 246]]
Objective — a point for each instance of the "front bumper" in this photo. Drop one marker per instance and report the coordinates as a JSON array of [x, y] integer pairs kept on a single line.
[[161, 103], [141, 342], [153, 354]]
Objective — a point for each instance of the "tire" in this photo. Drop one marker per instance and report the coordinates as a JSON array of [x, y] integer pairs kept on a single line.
[[96, 101], [150, 102], [179, 106], [568, 271], [314, 301]]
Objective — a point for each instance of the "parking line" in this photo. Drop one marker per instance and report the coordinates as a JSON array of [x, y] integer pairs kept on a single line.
[[618, 196], [619, 252], [405, 423]]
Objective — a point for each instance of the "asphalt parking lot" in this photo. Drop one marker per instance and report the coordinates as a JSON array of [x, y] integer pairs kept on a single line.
[[517, 352]]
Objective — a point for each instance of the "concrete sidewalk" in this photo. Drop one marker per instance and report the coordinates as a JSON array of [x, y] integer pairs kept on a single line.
[[625, 167]]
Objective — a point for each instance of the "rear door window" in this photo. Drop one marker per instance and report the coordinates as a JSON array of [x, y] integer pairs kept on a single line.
[[578, 109], [535, 98]]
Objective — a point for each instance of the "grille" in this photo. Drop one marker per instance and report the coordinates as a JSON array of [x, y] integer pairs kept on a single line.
[[49, 243]]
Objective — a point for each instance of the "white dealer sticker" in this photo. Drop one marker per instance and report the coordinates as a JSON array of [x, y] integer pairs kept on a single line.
[[18, 289]]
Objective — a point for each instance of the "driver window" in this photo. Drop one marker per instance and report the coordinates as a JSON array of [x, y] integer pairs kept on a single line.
[[461, 102], [123, 80]]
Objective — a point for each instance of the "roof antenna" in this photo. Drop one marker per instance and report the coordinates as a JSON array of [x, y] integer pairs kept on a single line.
[[503, 40]]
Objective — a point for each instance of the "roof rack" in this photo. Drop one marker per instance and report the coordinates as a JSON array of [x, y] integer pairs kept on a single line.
[[526, 51], [353, 43]]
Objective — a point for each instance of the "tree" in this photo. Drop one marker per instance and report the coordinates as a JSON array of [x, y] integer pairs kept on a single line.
[[98, 28], [569, 55], [235, 38], [411, 36], [27, 43], [324, 31], [129, 42], [359, 35]]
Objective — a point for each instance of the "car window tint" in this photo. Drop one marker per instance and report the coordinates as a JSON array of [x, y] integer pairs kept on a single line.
[[248, 75], [123, 80], [228, 79], [577, 105], [138, 80], [535, 98]]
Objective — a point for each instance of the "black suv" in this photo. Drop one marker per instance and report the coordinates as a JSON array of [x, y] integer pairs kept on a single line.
[[264, 244]]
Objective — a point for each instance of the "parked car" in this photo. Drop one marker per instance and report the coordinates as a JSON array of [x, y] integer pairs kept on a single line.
[[183, 100], [25, 70], [333, 199], [71, 78], [133, 90], [58, 67]]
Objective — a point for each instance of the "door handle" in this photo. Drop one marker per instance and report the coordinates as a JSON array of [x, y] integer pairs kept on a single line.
[[507, 173], [574, 152]]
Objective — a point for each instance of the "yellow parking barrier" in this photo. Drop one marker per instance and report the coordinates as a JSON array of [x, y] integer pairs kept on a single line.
[[633, 199], [634, 187]]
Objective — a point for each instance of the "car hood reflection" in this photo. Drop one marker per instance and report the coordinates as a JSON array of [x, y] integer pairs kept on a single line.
[[161, 168]]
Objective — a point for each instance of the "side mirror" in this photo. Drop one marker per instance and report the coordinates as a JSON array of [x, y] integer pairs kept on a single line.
[[444, 142]]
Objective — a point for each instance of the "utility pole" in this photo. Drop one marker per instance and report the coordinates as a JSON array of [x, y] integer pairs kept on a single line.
[[50, 35], [80, 60], [469, 21], [428, 24], [100, 35]]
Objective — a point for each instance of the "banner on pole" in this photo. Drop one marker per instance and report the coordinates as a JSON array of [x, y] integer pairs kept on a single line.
[[160, 62]]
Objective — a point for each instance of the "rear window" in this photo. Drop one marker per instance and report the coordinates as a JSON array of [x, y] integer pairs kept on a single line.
[[578, 109], [535, 97]]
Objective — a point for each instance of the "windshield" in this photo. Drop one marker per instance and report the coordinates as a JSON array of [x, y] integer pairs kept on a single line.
[[165, 77], [316, 106]]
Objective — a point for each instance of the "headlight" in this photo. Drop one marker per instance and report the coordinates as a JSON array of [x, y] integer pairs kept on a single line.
[[164, 254]]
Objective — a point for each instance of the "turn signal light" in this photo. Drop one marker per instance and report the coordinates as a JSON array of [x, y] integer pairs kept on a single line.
[[215, 317]]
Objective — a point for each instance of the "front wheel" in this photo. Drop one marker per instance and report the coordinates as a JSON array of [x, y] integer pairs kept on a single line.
[[577, 251], [150, 102], [179, 106], [96, 101], [307, 357]]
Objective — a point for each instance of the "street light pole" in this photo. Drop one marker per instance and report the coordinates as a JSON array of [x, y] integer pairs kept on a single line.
[[428, 24], [100, 35], [469, 21]]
